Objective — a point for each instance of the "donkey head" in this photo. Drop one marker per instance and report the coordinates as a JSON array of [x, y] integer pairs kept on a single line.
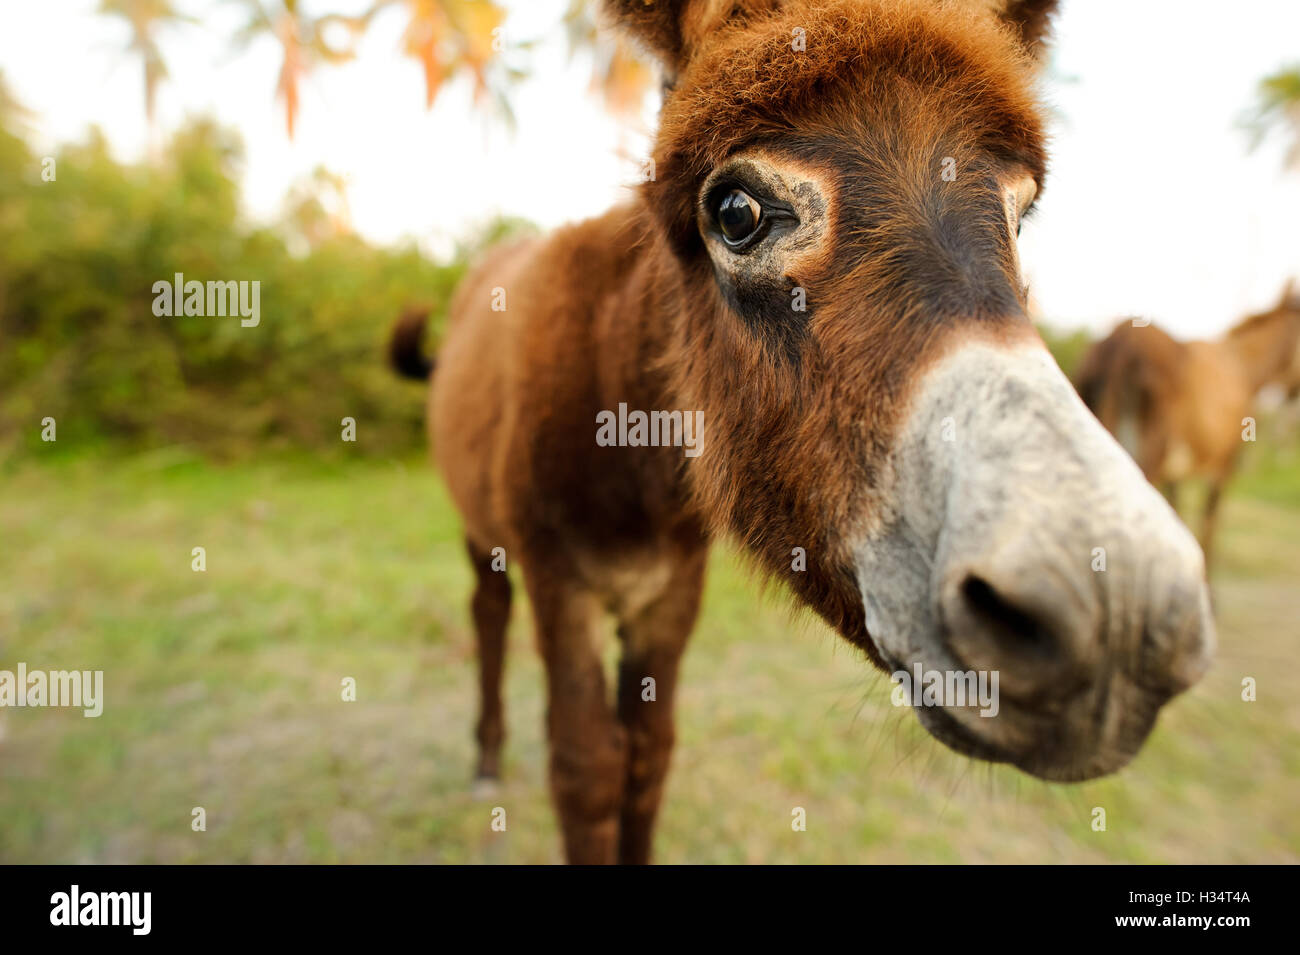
[[1289, 379], [1267, 344], [840, 185]]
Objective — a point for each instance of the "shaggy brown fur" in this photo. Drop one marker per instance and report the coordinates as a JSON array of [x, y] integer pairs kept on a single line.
[[1180, 407], [799, 410]]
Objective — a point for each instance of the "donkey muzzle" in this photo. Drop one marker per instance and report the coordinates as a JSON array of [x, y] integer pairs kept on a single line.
[[1025, 551]]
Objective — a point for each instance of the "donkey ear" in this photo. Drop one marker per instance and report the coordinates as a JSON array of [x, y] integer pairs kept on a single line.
[[1031, 20], [1288, 293], [654, 24]]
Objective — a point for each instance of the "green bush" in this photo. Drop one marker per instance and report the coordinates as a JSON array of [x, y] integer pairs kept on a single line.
[[79, 341], [1067, 347]]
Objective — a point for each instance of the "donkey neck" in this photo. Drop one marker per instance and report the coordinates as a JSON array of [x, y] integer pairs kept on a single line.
[[634, 329], [1264, 346]]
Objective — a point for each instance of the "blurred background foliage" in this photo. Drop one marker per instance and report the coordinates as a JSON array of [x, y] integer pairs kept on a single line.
[[448, 38], [79, 341], [1277, 110]]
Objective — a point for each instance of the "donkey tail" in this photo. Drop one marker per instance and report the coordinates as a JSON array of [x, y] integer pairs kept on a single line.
[[1126, 381], [1094, 376], [1111, 382], [406, 345]]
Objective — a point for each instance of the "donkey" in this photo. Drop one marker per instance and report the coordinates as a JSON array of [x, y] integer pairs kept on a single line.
[[1180, 408], [824, 266]]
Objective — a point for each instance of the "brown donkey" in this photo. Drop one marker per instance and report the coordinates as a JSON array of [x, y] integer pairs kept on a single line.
[[1180, 408], [823, 272]]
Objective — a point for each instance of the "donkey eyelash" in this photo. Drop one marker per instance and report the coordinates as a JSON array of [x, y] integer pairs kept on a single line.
[[725, 184], [1030, 211]]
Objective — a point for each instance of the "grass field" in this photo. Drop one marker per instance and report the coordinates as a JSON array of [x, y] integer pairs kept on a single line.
[[223, 690]]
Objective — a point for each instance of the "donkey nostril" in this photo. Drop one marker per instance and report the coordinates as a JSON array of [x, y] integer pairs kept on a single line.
[[1012, 630], [1016, 628]]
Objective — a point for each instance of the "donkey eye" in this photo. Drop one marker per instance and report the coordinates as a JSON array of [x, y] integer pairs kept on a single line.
[[738, 216]]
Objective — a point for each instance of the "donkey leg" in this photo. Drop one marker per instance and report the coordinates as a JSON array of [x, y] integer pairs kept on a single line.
[[1210, 521], [653, 641], [491, 609], [587, 745], [1170, 490]]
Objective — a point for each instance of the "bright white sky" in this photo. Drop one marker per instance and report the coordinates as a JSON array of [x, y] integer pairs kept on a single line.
[[1153, 205]]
